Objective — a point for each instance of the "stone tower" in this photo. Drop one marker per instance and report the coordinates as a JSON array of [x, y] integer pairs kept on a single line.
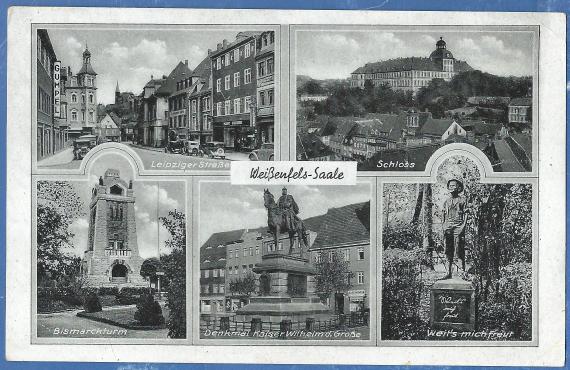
[[112, 256]]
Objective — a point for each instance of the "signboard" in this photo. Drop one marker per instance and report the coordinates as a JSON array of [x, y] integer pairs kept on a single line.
[[176, 113], [57, 89], [452, 305], [233, 123]]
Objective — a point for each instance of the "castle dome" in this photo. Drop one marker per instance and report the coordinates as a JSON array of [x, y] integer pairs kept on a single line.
[[441, 51]]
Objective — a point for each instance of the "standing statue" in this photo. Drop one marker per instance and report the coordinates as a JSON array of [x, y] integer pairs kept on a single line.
[[454, 221], [283, 218]]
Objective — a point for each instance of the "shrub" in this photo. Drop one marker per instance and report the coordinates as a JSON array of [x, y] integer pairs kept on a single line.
[[149, 311], [108, 290], [131, 295], [92, 303], [401, 292]]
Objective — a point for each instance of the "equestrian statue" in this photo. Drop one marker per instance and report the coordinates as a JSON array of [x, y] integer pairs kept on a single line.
[[282, 217]]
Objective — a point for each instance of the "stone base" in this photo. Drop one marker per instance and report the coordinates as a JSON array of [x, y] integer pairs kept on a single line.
[[98, 281], [452, 305], [276, 309]]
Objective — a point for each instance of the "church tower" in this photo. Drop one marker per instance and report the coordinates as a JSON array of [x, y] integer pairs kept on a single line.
[[117, 94], [112, 256]]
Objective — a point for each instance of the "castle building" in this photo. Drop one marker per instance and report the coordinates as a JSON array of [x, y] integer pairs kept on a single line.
[[411, 73], [112, 257], [81, 96]]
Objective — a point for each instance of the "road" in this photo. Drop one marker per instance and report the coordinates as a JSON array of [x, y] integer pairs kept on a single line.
[[49, 325], [152, 158]]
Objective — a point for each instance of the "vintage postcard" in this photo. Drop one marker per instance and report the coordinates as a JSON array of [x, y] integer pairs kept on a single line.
[[275, 186]]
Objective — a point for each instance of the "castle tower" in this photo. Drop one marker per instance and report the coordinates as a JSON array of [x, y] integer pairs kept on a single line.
[[112, 256], [442, 56]]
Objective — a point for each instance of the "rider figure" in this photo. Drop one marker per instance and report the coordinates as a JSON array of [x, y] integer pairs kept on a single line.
[[290, 209]]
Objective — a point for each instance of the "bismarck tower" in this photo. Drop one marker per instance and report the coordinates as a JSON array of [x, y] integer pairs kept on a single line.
[[112, 256]]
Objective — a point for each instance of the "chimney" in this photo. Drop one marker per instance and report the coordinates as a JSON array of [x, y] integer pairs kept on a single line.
[[209, 51], [186, 62], [69, 71], [219, 46], [226, 43], [151, 77]]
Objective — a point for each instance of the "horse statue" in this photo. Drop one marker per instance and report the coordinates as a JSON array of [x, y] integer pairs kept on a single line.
[[277, 223]]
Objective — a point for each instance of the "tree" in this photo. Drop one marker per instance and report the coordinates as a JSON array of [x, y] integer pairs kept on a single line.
[[58, 206], [244, 286], [149, 267], [175, 270], [333, 274]]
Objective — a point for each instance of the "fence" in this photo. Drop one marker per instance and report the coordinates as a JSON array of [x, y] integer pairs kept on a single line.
[[341, 321]]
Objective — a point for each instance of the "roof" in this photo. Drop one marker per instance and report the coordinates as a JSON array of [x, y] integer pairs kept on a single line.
[[524, 141], [525, 102], [154, 82], [115, 118], [86, 67], [214, 249], [203, 68], [507, 159], [408, 64], [344, 225], [241, 37], [435, 126], [178, 73], [312, 146]]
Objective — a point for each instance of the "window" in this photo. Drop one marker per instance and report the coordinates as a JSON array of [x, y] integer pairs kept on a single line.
[[261, 69], [236, 79], [222, 272], [227, 105], [360, 277], [261, 98], [360, 254], [206, 273], [244, 268], [215, 286], [230, 270], [218, 63], [194, 106], [330, 256], [83, 115], [251, 251], [83, 98], [346, 254], [247, 104], [246, 51], [219, 85], [222, 288], [270, 66], [245, 252], [318, 257], [215, 273], [205, 104], [73, 98], [237, 254], [247, 76], [218, 109], [227, 82], [91, 98], [236, 55], [73, 115], [237, 106], [257, 251], [91, 116]]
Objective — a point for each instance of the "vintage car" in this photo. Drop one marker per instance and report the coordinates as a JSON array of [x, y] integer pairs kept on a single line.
[[192, 147], [82, 145], [214, 149], [174, 144], [265, 153]]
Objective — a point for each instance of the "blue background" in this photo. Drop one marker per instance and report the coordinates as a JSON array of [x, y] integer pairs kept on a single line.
[[457, 5]]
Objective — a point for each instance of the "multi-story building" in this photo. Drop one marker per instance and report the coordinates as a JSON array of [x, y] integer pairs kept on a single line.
[[201, 127], [108, 128], [520, 112], [234, 90], [265, 113], [411, 73], [51, 123], [81, 95], [154, 110], [346, 231]]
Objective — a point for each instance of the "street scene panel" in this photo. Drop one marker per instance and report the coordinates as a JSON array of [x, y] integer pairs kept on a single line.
[[457, 258], [110, 256], [284, 262], [389, 99], [202, 96]]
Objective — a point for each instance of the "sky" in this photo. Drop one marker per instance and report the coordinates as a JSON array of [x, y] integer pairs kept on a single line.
[[225, 207], [171, 195], [131, 56], [335, 54]]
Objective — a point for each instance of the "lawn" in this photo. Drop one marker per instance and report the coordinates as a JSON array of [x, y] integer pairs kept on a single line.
[[122, 316]]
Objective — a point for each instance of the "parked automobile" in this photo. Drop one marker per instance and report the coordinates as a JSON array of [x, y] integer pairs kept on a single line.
[[265, 153], [174, 144], [82, 145], [193, 148], [214, 149]]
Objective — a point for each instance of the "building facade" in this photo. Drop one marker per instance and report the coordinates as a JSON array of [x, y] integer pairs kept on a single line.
[[412, 73], [108, 128], [81, 95], [520, 111], [265, 69], [152, 130], [112, 256], [234, 91], [200, 111], [51, 124]]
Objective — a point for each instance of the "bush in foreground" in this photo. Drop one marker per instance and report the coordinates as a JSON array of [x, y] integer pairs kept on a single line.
[[149, 311], [92, 303]]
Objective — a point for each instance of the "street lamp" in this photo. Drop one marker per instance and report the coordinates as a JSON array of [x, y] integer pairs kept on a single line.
[[158, 274]]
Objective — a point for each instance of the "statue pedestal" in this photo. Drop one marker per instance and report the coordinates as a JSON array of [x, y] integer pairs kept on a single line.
[[287, 291], [452, 305]]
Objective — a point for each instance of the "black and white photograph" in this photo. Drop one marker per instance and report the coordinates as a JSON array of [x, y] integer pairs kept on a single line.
[[191, 97], [389, 98], [457, 258], [285, 262], [111, 256]]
